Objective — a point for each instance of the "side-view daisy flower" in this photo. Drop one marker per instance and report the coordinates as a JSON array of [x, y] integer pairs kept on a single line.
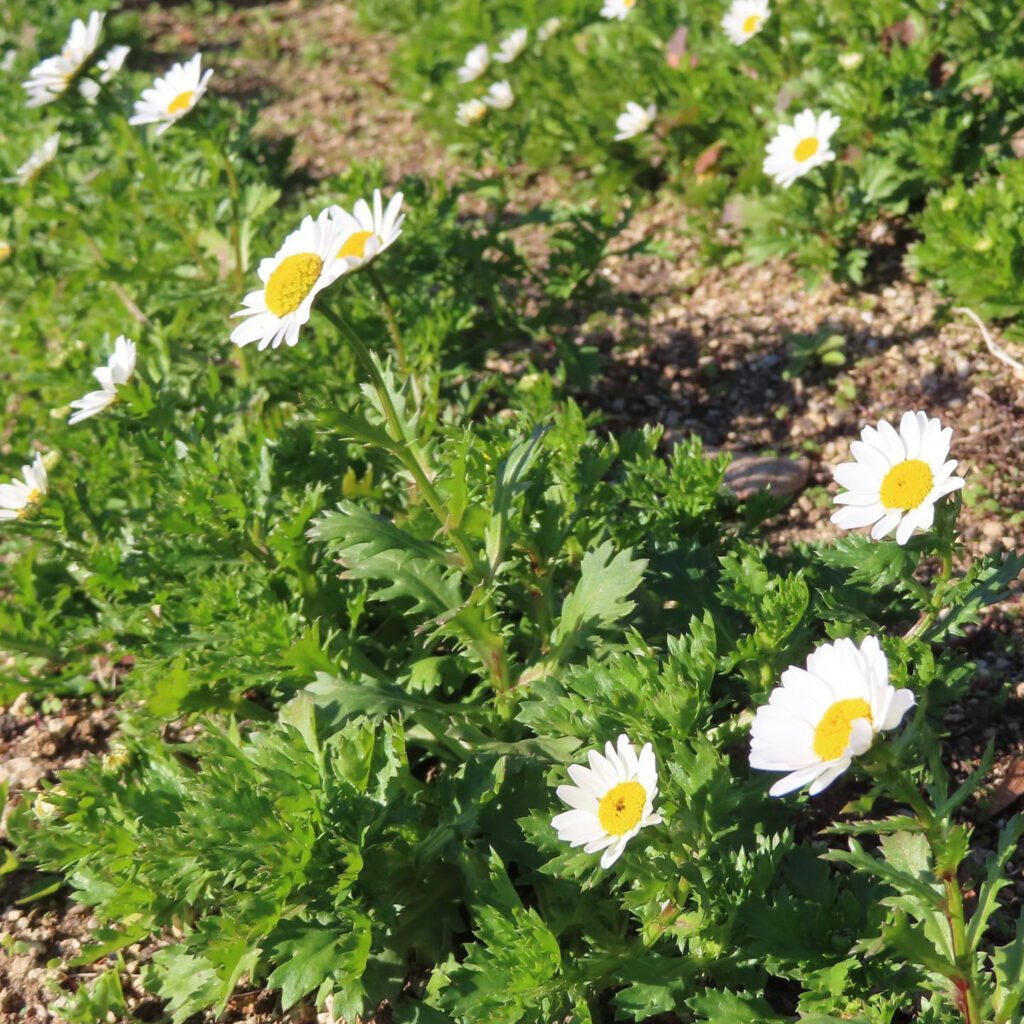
[[511, 46], [550, 27], [40, 158], [307, 262], [475, 64], [617, 8], [170, 98], [367, 231], [500, 96], [634, 120], [19, 496], [801, 146], [469, 112], [611, 800], [744, 19], [119, 369], [896, 478], [112, 62], [49, 79], [823, 716]]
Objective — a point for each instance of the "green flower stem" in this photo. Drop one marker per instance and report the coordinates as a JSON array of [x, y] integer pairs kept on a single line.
[[390, 319], [936, 599], [236, 234], [966, 985]]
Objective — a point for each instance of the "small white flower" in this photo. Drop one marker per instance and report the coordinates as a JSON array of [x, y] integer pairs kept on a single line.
[[896, 478], [823, 716], [89, 90], [19, 496], [500, 96], [119, 369], [851, 60], [799, 147], [475, 63], [611, 800], [365, 232], [634, 120], [307, 262], [112, 62], [617, 8], [469, 112], [170, 98], [549, 28], [745, 19], [49, 79], [511, 46], [8, 61], [40, 158]]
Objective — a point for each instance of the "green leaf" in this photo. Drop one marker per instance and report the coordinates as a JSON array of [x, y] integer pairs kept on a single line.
[[720, 1006]]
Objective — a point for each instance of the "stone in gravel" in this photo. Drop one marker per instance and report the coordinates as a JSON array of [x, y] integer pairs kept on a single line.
[[748, 474], [22, 772]]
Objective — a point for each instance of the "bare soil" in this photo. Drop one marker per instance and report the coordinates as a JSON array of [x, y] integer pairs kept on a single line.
[[702, 351]]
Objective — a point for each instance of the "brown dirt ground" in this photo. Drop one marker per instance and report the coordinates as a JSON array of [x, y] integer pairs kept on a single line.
[[701, 351]]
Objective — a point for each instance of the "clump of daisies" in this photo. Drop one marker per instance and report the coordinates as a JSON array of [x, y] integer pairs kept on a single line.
[[610, 801], [171, 97], [41, 158], [119, 369], [823, 716], [896, 477], [617, 8], [801, 146], [634, 120], [744, 19], [19, 497], [475, 64], [50, 79]]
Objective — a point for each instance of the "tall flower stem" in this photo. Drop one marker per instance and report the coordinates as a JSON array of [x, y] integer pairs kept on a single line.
[[236, 234], [966, 988], [390, 319]]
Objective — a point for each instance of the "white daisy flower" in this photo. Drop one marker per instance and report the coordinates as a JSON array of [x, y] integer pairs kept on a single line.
[[475, 63], [41, 157], [112, 62], [89, 90], [170, 98], [511, 46], [823, 716], [799, 147], [470, 112], [896, 478], [634, 120], [611, 800], [8, 61], [549, 28], [50, 79], [119, 369], [306, 263], [365, 232], [850, 61], [500, 96], [744, 19], [617, 8], [19, 496]]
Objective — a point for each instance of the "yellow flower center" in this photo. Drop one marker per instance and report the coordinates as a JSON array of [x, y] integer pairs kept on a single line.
[[805, 149], [292, 281], [180, 102], [355, 245], [628, 3], [752, 23], [907, 484], [32, 497], [621, 808], [833, 731]]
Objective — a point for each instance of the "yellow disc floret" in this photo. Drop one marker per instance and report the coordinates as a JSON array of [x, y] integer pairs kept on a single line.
[[805, 149], [751, 23], [833, 731], [180, 102], [906, 485], [292, 281], [355, 245], [621, 808]]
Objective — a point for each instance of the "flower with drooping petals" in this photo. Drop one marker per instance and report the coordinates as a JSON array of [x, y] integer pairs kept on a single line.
[[41, 157], [800, 147], [823, 716], [500, 96], [896, 478], [470, 112], [170, 98], [50, 79], [19, 497], [511, 46], [611, 800], [119, 369], [634, 120], [475, 64]]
